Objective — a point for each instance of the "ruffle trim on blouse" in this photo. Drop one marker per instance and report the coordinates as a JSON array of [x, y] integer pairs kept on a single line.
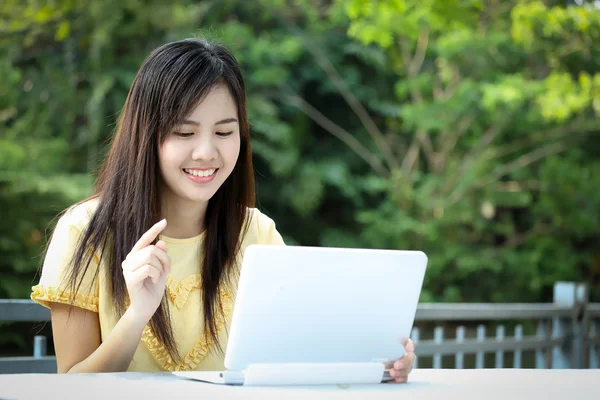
[[178, 294], [197, 353], [44, 295]]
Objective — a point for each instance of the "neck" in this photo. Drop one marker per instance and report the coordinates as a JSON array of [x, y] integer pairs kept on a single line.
[[185, 219]]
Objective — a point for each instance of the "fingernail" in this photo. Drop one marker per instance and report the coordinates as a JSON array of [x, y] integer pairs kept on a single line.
[[392, 373]]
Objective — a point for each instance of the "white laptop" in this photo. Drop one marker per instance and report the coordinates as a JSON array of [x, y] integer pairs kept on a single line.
[[315, 315]]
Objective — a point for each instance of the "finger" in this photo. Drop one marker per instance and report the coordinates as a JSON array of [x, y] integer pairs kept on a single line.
[[151, 272], [147, 263], [151, 234], [389, 365], [161, 244], [400, 364], [412, 362], [407, 343], [392, 364], [161, 253], [410, 346], [155, 275], [141, 258], [140, 274], [396, 378], [406, 362], [394, 373]]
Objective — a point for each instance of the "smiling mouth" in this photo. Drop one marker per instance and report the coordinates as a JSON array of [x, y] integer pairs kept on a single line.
[[201, 173]]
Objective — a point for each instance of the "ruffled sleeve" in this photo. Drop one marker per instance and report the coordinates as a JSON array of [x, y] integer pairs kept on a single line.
[[52, 286]]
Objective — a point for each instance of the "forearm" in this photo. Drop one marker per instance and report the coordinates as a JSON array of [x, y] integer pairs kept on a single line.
[[116, 352]]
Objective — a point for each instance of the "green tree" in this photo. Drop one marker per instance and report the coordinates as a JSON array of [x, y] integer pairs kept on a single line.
[[487, 155], [465, 129]]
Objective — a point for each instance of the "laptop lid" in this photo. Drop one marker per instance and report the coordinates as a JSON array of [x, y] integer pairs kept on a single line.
[[323, 305]]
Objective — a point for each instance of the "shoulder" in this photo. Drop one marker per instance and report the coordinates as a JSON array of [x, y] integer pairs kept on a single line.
[[259, 218], [261, 228], [78, 216]]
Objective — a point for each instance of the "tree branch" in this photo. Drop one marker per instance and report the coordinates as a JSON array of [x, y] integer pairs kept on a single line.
[[511, 167], [524, 161], [580, 126], [448, 141], [395, 140], [370, 126], [560, 132], [488, 137], [413, 151], [417, 60], [414, 67], [451, 139], [452, 86], [436, 91], [428, 150], [339, 133], [471, 157]]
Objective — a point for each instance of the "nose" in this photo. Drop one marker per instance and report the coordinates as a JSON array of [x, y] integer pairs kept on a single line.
[[204, 149]]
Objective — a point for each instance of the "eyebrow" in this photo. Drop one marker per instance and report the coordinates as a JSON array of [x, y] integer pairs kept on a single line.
[[195, 123]]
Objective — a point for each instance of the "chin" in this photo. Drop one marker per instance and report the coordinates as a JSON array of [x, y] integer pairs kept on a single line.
[[204, 198]]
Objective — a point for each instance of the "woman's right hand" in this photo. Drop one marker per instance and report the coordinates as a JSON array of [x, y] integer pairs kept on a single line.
[[145, 270]]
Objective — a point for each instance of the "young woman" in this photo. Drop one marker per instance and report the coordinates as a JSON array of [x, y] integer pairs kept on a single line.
[[142, 275]]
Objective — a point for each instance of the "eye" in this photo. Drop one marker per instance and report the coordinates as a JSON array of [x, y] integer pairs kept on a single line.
[[183, 134], [224, 133]]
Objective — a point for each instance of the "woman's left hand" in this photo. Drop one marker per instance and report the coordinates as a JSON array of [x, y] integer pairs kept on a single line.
[[400, 368]]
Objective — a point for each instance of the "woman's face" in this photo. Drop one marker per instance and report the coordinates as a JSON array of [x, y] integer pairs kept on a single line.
[[201, 151]]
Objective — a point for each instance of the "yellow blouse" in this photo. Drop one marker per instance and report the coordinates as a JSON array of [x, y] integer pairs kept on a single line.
[[182, 290]]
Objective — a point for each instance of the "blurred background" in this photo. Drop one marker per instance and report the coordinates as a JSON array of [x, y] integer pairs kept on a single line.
[[466, 129]]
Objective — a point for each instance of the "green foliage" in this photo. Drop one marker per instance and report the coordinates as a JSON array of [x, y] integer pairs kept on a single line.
[[495, 101], [467, 129]]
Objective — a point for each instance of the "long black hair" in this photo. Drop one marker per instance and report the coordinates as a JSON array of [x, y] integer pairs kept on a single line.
[[168, 86]]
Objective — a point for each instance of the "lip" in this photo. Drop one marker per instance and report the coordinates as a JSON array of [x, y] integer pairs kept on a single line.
[[201, 179]]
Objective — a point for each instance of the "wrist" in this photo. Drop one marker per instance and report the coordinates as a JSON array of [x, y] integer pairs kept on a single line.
[[135, 319]]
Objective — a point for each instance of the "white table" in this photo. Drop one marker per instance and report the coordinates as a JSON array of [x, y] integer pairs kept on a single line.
[[423, 384]]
